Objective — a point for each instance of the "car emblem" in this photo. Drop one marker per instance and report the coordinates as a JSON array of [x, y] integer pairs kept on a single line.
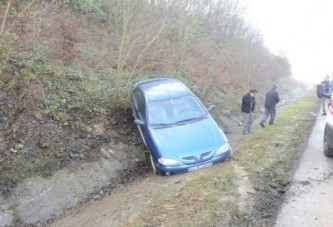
[[198, 157]]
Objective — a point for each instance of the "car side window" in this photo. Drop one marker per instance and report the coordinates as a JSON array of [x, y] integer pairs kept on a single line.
[[139, 103]]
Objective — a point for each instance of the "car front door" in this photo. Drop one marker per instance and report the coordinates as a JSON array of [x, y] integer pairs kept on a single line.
[[139, 111]]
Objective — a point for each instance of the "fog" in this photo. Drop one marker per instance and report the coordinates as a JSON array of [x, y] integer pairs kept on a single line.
[[301, 30]]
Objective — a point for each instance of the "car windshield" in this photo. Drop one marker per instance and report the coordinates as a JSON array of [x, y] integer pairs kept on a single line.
[[179, 110]]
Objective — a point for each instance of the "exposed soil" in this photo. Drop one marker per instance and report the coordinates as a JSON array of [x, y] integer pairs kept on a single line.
[[72, 164], [29, 135]]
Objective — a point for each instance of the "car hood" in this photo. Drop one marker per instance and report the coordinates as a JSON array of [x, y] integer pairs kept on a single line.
[[189, 139]]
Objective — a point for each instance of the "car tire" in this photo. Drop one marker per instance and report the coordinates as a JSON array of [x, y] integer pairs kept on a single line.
[[328, 151], [153, 165]]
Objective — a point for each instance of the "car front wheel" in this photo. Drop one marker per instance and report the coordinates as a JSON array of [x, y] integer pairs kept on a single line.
[[328, 151]]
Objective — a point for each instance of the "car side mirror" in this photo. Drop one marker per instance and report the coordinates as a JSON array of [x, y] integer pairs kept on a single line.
[[138, 122], [211, 107], [321, 91]]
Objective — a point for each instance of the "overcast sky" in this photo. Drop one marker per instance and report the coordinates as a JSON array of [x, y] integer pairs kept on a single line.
[[301, 29]]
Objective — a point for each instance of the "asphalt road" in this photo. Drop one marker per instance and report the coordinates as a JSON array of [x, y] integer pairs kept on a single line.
[[309, 201]]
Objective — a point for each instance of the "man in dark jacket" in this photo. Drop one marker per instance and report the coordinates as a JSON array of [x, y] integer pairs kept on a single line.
[[328, 89], [248, 106], [272, 98]]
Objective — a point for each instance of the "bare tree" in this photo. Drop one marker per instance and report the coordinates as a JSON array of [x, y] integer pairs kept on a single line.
[[5, 18], [135, 26]]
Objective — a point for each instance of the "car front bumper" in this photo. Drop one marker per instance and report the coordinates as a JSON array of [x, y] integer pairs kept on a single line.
[[329, 134], [168, 170]]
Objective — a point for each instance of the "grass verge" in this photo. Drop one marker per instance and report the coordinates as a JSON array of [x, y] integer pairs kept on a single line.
[[269, 157]]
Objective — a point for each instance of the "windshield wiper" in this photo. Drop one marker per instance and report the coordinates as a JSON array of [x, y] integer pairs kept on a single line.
[[162, 125], [190, 120]]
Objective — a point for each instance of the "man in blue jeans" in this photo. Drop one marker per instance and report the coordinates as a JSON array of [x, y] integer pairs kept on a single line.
[[328, 89], [248, 106], [272, 98]]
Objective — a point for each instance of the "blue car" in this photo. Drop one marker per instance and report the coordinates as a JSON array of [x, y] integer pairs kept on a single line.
[[177, 129]]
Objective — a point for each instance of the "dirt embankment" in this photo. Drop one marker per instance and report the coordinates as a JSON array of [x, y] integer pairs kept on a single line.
[[69, 164]]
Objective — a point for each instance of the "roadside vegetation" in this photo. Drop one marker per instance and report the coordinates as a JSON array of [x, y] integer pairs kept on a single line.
[[267, 158], [67, 66]]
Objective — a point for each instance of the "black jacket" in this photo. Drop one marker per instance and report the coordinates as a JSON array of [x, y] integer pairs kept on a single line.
[[327, 85], [272, 98], [248, 103]]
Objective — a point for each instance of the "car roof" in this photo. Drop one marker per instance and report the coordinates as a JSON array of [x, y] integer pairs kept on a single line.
[[162, 88]]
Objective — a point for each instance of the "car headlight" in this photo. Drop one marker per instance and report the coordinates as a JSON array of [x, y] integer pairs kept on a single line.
[[223, 149], [168, 161]]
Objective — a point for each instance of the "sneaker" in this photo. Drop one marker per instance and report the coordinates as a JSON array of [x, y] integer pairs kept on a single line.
[[262, 124], [271, 123], [323, 114], [246, 133]]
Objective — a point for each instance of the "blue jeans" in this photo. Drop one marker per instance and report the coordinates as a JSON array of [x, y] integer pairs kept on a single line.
[[325, 102], [269, 112], [247, 121]]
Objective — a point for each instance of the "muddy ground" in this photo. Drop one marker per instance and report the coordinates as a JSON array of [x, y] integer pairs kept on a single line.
[[116, 185], [309, 201]]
